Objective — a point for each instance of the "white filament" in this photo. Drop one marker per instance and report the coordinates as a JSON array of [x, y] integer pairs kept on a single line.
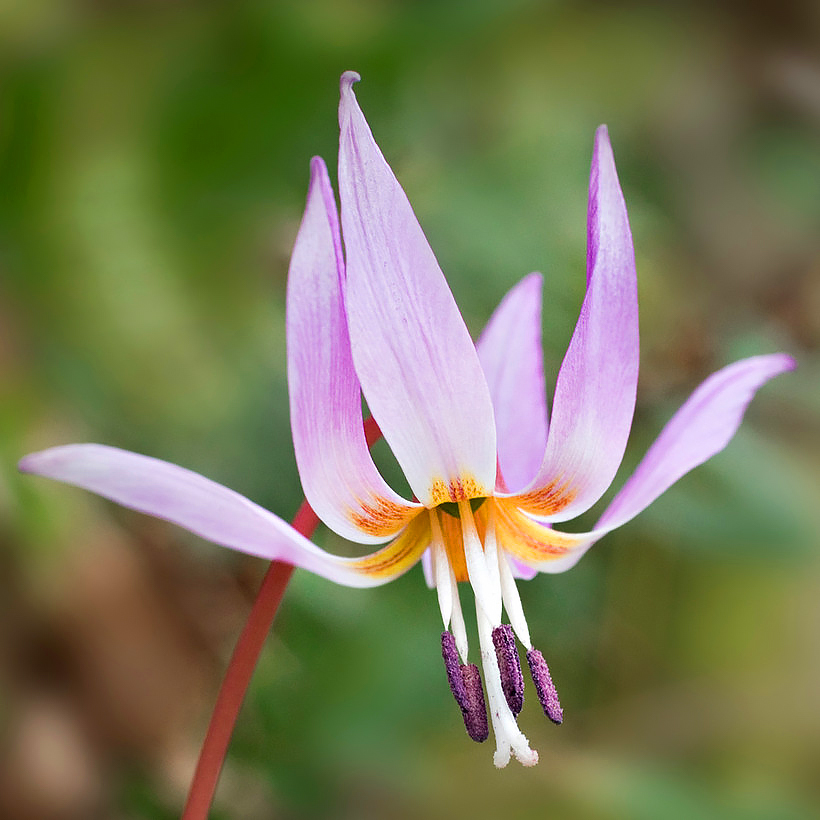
[[441, 570], [459, 630], [512, 601], [491, 557], [447, 589]]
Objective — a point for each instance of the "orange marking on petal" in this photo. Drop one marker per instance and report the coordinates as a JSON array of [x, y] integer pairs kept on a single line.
[[401, 553], [548, 500], [462, 488], [380, 516], [526, 539]]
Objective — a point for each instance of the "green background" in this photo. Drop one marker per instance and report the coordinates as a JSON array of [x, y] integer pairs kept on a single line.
[[153, 168]]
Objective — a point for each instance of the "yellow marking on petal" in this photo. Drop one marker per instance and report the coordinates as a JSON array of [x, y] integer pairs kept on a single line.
[[453, 539], [381, 516], [462, 488], [400, 554], [526, 539], [549, 499], [453, 545]]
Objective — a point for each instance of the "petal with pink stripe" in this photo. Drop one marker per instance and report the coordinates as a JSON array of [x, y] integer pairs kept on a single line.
[[595, 392], [338, 476], [510, 353], [701, 428], [218, 514], [417, 365]]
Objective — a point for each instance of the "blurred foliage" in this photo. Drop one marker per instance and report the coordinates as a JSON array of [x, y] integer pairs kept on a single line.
[[153, 166]]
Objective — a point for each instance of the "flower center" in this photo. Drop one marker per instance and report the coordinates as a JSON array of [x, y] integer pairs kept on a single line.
[[464, 547]]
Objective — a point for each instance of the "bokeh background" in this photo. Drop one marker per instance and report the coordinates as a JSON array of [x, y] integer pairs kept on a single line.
[[153, 167]]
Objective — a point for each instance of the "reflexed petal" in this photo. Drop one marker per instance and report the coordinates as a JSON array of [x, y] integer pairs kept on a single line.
[[414, 357], [595, 392], [216, 513], [510, 353], [339, 478], [534, 544], [702, 427]]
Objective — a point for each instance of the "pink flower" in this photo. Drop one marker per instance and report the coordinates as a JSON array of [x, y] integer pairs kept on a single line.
[[467, 423]]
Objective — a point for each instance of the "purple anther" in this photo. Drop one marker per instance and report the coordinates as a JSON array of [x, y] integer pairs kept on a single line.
[[465, 684], [452, 665], [475, 710], [544, 686], [512, 681]]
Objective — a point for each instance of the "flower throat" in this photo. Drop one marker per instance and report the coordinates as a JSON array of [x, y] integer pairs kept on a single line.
[[464, 548]]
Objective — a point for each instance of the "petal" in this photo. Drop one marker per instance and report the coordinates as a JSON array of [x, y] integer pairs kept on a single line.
[[510, 353], [702, 427], [339, 478], [595, 392], [533, 544], [216, 513], [414, 357]]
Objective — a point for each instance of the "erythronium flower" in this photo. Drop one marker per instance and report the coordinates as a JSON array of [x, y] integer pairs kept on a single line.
[[467, 423]]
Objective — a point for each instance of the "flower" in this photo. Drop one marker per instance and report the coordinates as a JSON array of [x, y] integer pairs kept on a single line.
[[467, 423]]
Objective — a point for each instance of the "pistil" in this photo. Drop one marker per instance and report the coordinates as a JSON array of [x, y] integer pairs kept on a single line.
[[509, 738]]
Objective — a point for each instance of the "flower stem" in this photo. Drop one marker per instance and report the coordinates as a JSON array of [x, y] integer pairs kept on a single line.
[[243, 662], [238, 676]]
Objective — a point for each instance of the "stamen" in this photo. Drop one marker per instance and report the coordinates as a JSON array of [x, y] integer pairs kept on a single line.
[[491, 558], [512, 601], [544, 686], [475, 711], [465, 684], [457, 624], [441, 571], [486, 588], [453, 669], [447, 588], [509, 666]]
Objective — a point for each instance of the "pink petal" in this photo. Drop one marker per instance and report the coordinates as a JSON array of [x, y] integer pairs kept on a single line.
[[595, 393], [510, 353], [339, 478], [216, 513], [414, 357], [532, 544], [703, 426]]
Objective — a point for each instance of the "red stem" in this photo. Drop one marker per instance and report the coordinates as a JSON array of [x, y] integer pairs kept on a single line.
[[243, 662], [238, 676]]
